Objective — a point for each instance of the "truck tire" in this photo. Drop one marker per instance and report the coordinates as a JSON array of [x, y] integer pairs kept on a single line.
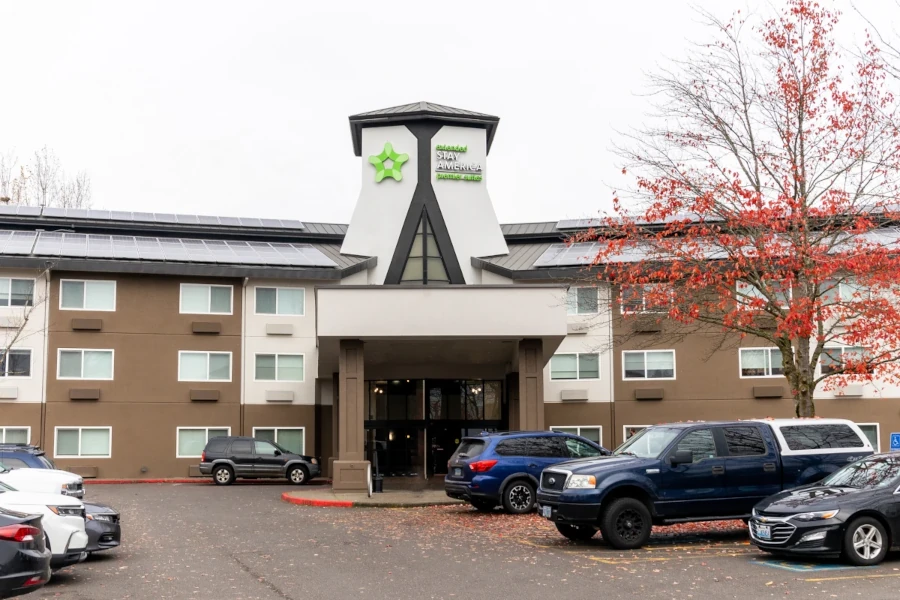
[[626, 524]]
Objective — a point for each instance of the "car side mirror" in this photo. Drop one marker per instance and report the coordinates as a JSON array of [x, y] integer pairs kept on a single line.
[[681, 457], [278, 453]]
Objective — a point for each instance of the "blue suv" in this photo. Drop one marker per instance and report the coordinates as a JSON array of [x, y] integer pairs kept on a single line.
[[22, 456], [505, 468]]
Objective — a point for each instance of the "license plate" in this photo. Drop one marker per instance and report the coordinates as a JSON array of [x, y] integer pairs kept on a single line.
[[546, 511], [764, 532], [457, 472]]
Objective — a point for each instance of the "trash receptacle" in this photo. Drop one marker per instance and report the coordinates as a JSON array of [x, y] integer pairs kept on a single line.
[[377, 483]]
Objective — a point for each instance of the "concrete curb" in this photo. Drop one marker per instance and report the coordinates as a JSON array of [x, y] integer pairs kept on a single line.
[[322, 503], [196, 480]]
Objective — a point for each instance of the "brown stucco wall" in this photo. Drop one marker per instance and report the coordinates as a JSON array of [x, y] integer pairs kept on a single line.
[[23, 414], [290, 415]]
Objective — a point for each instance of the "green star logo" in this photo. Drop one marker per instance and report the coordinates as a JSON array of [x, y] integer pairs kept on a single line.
[[388, 163]]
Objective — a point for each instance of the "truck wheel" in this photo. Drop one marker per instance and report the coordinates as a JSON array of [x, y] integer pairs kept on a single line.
[[626, 524], [576, 533], [518, 498]]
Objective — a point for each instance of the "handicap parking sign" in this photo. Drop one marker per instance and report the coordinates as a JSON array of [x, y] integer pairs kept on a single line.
[[895, 442]]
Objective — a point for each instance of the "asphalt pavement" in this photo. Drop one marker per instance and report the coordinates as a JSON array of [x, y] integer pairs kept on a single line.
[[244, 543]]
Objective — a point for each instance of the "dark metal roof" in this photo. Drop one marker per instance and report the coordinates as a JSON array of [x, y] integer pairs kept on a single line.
[[529, 229], [519, 263], [418, 111]]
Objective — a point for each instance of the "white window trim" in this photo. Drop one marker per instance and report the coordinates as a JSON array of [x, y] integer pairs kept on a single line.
[[276, 355], [741, 363], [625, 429], [658, 310], [4, 377], [674, 366], [26, 427], [208, 352], [578, 428], [742, 297], [578, 376], [115, 294], [877, 434], [59, 352], [842, 349], [303, 429], [576, 313], [207, 285], [56, 453], [9, 296], [276, 288], [178, 431]]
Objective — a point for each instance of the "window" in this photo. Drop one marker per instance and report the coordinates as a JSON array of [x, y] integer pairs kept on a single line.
[[744, 441], [547, 447], [201, 299], [76, 442], [630, 430], [279, 367], [16, 292], [15, 435], [647, 298], [217, 445], [424, 263], [87, 295], [514, 447], [700, 443], [747, 293], [241, 448], [873, 433], [820, 437], [760, 362], [265, 449], [193, 440], [13, 463], [575, 366], [832, 360], [582, 301], [280, 301], [845, 291], [579, 449], [593, 432], [84, 364], [292, 439], [17, 363], [204, 366], [648, 364]]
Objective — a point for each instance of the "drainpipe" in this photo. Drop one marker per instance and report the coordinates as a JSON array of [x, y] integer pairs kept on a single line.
[[243, 348], [46, 359]]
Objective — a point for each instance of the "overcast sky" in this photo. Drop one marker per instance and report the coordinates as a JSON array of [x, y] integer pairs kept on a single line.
[[240, 108]]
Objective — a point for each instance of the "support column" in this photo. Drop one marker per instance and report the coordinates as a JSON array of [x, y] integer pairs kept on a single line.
[[530, 415], [351, 468], [335, 400]]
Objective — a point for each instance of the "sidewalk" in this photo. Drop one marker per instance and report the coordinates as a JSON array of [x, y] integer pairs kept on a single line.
[[324, 496]]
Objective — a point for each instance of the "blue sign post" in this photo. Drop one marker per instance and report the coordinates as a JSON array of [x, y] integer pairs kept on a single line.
[[895, 442]]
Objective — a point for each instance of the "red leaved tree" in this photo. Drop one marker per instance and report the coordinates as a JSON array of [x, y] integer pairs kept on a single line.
[[765, 201]]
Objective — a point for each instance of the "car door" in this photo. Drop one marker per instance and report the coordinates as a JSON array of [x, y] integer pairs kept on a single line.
[[696, 489], [269, 461], [751, 467], [543, 452], [241, 455]]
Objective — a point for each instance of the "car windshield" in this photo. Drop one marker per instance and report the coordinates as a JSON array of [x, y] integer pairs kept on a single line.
[[5, 487], [869, 473], [4, 468], [648, 443]]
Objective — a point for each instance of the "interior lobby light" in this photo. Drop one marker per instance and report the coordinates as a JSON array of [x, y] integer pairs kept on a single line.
[[391, 436]]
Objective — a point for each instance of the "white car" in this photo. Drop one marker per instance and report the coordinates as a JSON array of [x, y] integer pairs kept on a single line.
[[63, 520], [44, 481]]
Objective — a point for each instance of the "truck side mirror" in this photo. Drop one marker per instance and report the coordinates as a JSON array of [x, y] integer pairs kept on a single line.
[[681, 457]]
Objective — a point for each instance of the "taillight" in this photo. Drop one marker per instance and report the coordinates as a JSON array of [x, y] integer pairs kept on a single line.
[[482, 466], [203, 456], [19, 533]]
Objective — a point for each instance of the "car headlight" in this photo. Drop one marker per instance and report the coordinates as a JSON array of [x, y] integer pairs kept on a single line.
[[67, 511], [820, 515], [581, 482], [753, 513], [105, 518]]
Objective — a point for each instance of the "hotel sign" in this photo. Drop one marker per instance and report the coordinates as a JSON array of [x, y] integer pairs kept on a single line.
[[452, 164]]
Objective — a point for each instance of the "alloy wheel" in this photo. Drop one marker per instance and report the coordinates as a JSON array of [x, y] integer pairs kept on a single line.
[[223, 475], [297, 476], [867, 541], [520, 497], [629, 525]]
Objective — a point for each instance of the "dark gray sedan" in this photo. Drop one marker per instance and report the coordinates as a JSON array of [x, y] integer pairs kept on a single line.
[[103, 527]]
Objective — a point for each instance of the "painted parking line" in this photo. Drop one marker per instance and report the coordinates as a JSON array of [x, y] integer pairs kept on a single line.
[[603, 554], [851, 577], [800, 567]]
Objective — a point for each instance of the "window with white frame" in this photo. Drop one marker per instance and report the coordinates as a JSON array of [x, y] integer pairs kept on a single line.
[[16, 363], [589, 432], [192, 440], [15, 435], [648, 364], [203, 299], [16, 292], [760, 362], [280, 301], [292, 439], [832, 360], [75, 363], [630, 430], [279, 367], [87, 295], [86, 442], [747, 293], [204, 366], [847, 290], [646, 298], [576, 365], [873, 433], [582, 301]]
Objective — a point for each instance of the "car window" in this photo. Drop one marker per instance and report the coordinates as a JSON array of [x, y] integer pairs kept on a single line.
[[547, 447], [265, 449], [513, 447], [744, 441], [820, 437], [469, 448], [241, 447], [866, 474], [14, 463], [700, 443], [579, 449]]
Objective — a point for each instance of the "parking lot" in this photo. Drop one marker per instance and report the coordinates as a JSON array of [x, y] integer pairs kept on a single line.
[[243, 543]]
